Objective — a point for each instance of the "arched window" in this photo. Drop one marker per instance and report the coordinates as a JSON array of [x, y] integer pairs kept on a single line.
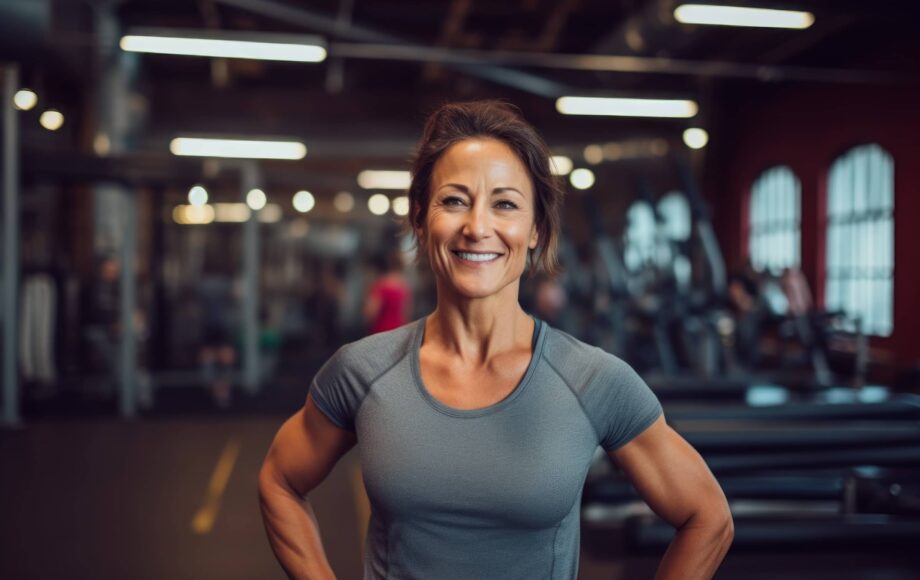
[[860, 237], [640, 235], [775, 220]]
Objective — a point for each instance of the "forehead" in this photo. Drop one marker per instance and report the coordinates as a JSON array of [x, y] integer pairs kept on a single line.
[[477, 159]]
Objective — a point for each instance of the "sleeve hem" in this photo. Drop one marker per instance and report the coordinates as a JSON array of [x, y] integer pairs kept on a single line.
[[325, 410], [637, 431]]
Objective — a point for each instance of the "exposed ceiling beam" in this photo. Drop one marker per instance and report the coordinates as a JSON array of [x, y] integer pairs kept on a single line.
[[481, 68], [613, 63]]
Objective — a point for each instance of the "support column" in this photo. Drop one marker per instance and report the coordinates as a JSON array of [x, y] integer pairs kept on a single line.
[[251, 179], [10, 417], [127, 351]]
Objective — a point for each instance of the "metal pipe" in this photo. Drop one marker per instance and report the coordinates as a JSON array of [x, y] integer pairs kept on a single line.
[[10, 417], [483, 67], [611, 63]]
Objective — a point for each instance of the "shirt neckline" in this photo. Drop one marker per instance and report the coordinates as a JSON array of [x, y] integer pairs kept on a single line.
[[419, 334]]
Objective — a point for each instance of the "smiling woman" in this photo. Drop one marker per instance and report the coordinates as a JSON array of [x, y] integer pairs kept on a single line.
[[477, 423]]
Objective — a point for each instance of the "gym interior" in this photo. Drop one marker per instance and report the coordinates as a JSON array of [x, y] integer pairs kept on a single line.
[[200, 197]]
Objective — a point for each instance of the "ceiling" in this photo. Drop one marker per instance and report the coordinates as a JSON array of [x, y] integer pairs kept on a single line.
[[392, 61]]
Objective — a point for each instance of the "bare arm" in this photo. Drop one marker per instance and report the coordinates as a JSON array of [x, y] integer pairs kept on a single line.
[[303, 453], [676, 483]]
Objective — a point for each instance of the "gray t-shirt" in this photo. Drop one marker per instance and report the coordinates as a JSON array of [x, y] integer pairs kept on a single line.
[[485, 493]]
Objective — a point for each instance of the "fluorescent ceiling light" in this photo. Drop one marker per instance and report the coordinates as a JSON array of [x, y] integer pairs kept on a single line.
[[237, 148], [620, 107], [374, 179], [740, 16], [226, 44]]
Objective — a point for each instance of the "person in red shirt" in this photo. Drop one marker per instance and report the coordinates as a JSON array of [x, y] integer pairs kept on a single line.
[[389, 298]]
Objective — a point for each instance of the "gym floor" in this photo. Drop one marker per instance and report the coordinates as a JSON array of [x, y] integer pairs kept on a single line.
[[173, 495]]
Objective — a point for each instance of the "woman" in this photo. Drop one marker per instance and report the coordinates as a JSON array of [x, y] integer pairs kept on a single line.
[[389, 298], [477, 424]]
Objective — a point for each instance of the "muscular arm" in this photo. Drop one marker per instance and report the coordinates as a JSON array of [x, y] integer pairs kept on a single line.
[[303, 453], [676, 483]]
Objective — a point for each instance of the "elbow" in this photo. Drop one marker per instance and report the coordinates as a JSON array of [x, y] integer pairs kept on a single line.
[[726, 529]]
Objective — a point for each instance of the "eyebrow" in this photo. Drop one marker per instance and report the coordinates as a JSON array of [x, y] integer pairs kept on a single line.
[[466, 189]]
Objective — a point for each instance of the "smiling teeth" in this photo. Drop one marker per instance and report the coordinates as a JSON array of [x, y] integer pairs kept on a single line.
[[477, 257]]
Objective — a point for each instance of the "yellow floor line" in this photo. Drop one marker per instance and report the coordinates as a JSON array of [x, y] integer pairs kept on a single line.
[[362, 504], [204, 519]]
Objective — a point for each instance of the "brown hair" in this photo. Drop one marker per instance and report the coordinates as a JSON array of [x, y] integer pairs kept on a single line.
[[503, 122]]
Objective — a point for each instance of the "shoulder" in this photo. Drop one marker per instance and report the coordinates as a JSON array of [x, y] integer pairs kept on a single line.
[[366, 359], [581, 364]]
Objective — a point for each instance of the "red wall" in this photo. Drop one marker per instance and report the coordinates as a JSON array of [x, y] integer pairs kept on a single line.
[[806, 129]]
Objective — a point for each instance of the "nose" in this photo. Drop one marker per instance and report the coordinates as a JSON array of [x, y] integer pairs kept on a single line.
[[478, 223]]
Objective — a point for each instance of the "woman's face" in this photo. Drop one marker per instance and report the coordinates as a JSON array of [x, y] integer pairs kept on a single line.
[[480, 222]]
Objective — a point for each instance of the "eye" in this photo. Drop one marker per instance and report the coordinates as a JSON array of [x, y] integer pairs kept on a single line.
[[452, 200], [507, 204]]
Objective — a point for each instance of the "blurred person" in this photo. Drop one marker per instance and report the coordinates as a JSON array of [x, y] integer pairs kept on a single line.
[[102, 311], [477, 423], [389, 298], [217, 353]]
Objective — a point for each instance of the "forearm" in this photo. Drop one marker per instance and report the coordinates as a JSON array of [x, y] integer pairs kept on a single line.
[[696, 551], [293, 533]]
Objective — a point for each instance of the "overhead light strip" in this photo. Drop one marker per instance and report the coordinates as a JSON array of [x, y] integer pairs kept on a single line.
[[741, 16], [380, 179], [258, 46], [622, 107], [237, 148]]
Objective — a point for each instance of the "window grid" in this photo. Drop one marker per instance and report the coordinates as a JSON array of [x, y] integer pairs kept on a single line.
[[860, 238], [775, 220]]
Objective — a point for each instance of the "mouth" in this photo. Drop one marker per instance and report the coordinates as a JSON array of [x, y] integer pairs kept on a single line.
[[476, 257]]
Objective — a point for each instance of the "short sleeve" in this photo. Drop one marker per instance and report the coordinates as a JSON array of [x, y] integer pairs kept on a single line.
[[622, 403], [338, 391]]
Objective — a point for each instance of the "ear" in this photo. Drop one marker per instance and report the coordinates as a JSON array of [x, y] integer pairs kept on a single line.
[[534, 237]]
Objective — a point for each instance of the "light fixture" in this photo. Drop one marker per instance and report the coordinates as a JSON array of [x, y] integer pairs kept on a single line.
[[25, 99], [51, 119], [304, 201], [401, 205], [560, 165], [741, 16], [237, 148], [193, 214], [378, 179], [197, 195], [231, 212], [344, 201], [696, 138], [593, 154], [255, 199], [378, 204], [627, 107], [581, 178], [225, 44]]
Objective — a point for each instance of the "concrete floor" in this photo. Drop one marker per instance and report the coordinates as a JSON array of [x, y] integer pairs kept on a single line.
[[108, 499]]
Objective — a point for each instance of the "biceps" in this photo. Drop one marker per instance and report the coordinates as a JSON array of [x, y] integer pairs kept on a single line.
[[670, 475], [305, 449]]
